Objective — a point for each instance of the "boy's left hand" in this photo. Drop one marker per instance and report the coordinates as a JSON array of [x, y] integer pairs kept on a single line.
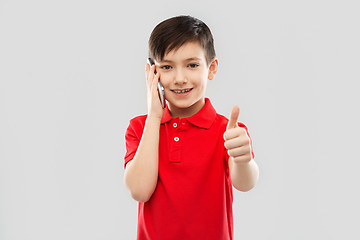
[[236, 139]]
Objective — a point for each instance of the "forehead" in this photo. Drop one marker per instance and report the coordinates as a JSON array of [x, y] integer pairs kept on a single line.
[[186, 51]]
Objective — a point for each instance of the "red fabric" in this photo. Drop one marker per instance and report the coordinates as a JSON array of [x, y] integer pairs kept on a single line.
[[193, 197]]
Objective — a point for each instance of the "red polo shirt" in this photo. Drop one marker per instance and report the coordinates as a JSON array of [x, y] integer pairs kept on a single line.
[[193, 197]]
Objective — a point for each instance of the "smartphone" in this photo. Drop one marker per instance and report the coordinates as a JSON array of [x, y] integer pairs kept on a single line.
[[160, 87]]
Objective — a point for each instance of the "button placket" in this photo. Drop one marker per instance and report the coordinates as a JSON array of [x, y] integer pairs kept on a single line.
[[175, 125], [175, 155]]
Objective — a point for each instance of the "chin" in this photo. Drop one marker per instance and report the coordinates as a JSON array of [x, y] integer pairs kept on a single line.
[[181, 105], [184, 104]]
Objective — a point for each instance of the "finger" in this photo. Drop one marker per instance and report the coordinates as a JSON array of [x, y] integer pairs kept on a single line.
[[150, 75], [155, 85], [147, 71], [239, 151], [232, 133], [233, 143], [233, 117], [147, 68]]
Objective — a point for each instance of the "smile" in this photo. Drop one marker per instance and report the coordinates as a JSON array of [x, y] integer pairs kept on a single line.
[[182, 90]]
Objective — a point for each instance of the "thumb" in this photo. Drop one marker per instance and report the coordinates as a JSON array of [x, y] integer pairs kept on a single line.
[[233, 117]]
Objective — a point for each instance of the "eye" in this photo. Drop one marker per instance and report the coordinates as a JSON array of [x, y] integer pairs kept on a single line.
[[165, 67], [193, 65]]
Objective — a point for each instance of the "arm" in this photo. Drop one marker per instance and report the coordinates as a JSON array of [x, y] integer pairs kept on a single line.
[[243, 169], [141, 173], [243, 175]]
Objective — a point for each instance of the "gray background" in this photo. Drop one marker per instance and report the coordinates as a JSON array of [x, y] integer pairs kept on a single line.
[[72, 75]]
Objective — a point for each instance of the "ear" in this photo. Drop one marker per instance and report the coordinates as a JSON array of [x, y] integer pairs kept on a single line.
[[213, 67]]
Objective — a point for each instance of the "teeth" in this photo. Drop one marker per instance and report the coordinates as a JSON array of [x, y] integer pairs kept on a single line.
[[182, 91]]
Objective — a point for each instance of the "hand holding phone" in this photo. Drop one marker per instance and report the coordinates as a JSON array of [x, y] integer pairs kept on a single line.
[[161, 89]]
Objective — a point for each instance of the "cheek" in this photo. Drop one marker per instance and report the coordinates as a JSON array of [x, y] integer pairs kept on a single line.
[[198, 77], [165, 79], [201, 80]]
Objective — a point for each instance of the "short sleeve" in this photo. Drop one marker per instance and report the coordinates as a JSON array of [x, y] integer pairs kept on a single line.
[[247, 132], [132, 140]]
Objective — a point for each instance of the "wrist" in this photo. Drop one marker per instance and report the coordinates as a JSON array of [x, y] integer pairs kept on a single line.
[[241, 163], [153, 118]]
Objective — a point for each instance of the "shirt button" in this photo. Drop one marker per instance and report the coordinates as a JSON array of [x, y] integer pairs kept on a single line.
[[175, 125], [176, 139]]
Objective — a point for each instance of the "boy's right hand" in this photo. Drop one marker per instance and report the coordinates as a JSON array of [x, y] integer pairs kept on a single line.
[[154, 105]]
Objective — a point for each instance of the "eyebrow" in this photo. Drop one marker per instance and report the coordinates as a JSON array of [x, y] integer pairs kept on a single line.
[[186, 60]]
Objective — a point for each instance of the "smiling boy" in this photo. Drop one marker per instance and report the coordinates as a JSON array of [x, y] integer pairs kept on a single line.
[[182, 161]]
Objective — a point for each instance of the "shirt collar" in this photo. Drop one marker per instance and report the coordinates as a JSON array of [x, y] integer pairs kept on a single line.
[[203, 119]]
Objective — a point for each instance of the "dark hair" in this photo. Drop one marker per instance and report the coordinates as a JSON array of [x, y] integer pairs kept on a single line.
[[172, 33]]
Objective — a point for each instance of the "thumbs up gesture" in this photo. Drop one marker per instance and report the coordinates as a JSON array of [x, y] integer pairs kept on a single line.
[[236, 139]]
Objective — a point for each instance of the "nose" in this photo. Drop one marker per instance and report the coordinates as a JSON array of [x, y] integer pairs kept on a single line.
[[180, 77]]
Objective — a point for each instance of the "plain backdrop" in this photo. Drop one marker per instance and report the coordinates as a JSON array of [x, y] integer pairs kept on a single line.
[[72, 76]]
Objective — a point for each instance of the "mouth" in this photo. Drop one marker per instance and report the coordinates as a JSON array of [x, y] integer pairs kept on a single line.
[[182, 91]]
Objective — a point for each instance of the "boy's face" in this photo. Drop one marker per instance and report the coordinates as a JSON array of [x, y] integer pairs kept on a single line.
[[184, 74]]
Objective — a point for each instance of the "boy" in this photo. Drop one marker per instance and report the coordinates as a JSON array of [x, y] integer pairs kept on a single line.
[[182, 161]]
